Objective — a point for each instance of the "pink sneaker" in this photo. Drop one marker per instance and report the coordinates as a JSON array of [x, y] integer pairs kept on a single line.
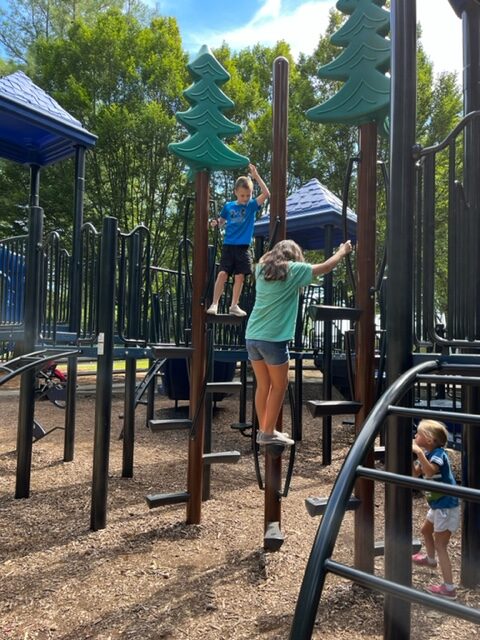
[[442, 591], [421, 559]]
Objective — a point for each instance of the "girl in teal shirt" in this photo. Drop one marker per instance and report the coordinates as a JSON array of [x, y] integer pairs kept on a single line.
[[280, 275]]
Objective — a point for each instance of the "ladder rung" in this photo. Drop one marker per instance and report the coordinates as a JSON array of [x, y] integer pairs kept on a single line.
[[222, 457], [173, 424], [161, 499], [223, 387], [317, 506], [323, 312], [332, 407], [161, 351], [452, 416], [443, 379]]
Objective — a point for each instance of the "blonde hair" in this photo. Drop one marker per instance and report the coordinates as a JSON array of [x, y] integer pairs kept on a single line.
[[244, 182], [274, 263], [436, 430]]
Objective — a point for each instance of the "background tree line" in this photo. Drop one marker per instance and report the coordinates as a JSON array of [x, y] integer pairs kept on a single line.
[[121, 69]]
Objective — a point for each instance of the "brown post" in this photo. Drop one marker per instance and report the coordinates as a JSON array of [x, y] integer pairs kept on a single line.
[[199, 356], [273, 463], [365, 333]]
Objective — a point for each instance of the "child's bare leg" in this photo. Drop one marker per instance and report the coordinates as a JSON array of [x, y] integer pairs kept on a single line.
[[219, 286], [427, 533], [442, 539], [278, 374], [237, 288], [262, 390]]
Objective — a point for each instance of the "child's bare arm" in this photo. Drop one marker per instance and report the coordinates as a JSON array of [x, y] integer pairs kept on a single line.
[[263, 187], [331, 263], [427, 468]]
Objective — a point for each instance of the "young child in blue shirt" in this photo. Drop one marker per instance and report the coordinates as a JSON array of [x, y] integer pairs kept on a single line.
[[443, 516], [238, 217]]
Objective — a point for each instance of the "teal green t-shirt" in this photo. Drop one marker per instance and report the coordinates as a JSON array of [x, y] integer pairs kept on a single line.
[[276, 304]]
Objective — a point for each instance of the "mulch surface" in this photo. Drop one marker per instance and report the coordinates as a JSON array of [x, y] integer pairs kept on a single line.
[[148, 575]]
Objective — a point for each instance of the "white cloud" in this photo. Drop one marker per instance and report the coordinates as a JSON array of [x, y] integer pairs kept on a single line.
[[303, 25], [301, 28], [441, 34]]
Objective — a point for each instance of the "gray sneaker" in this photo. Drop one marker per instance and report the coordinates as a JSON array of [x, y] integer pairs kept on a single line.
[[236, 311], [264, 439]]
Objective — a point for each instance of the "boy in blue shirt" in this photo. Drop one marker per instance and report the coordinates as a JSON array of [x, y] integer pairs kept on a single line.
[[238, 217], [443, 517]]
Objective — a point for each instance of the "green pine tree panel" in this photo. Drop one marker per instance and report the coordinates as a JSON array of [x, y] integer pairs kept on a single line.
[[204, 152], [365, 96], [356, 103], [364, 14], [204, 148], [200, 117]]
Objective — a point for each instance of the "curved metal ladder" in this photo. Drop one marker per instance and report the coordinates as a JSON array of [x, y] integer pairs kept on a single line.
[[320, 562]]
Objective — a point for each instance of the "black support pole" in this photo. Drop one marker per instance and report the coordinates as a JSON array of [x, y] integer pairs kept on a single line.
[[33, 271], [75, 304], [133, 329], [471, 434], [327, 382], [103, 403], [399, 312]]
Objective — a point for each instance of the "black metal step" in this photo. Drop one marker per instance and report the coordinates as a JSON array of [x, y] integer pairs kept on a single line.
[[379, 548], [161, 499], [379, 453], [273, 538], [162, 351], [332, 407], [223, 387], [323, 313], [241, 426], [222, 457], [224, 318], [317, 506], [169, 424]]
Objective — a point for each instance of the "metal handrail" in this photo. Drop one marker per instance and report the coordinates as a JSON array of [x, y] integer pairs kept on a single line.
[[317, 567]]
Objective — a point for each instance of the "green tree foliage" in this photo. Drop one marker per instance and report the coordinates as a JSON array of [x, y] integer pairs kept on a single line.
[[123, 80], [23, 22]]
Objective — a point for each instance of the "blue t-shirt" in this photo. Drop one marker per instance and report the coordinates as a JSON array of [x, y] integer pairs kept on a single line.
[[276, 304], [240, 219], [435, 499]]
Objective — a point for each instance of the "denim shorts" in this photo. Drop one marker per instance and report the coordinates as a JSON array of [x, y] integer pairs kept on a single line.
[[271, 352]]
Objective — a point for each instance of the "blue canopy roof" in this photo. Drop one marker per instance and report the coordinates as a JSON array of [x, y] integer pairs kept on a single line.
[[34, 129], [309, 211]]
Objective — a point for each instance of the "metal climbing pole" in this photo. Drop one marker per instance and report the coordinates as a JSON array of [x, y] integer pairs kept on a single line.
[[398, 502], [199, 356], [273, 463]]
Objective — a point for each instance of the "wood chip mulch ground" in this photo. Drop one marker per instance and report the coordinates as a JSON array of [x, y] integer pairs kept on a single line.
[[148, 575]]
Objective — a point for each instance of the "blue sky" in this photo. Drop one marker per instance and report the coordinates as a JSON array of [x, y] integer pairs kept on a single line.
[[300, 23]]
